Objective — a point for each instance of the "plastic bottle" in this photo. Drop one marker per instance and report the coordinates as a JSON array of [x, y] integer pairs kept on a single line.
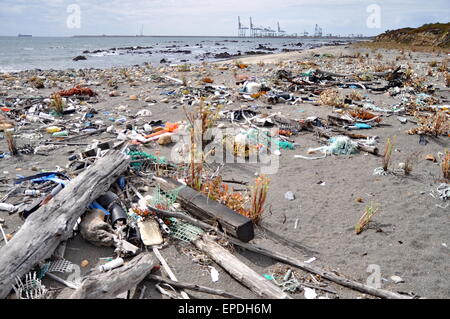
[[46, 116], [32, 192], [8, 207], [112, 264], [53, 129], [61, 134]]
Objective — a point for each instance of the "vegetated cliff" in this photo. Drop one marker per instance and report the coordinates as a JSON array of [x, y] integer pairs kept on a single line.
[[436, 35]]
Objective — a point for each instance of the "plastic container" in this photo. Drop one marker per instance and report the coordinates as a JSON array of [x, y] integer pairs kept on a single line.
[[110, 202], [148, 128], [252, 87]]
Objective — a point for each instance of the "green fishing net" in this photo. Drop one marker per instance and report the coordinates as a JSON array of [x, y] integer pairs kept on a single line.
[[264, 138], [184, 231], [136, 156], [162, 199]]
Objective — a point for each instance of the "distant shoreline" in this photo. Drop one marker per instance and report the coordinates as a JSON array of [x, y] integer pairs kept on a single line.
[[217, 36], [191, 36]]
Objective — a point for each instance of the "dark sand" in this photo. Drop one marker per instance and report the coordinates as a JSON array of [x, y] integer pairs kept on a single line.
[[408, 237]]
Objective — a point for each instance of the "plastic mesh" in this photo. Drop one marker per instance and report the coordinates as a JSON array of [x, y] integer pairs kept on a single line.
[[165, 199], [32, 288], [184, 231], [61, 265], [140, 159]]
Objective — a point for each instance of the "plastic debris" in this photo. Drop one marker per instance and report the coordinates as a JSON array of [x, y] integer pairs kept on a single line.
[[443, 191]]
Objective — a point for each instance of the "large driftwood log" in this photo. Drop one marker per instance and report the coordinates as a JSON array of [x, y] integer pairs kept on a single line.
[[240, 271], [210, 211], [108, 285], [53, 223]]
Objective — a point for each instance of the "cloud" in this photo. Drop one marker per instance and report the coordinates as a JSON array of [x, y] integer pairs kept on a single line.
[[212, 17]]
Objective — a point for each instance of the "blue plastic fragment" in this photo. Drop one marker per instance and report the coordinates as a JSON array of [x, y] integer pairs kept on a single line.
[[362, 126], [121, 181], [95, 205]]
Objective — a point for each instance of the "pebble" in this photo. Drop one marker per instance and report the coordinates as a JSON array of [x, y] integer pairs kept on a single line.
[[289, 195]]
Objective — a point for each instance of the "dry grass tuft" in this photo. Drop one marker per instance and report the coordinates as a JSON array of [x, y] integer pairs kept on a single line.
[[184, 68], [445, 165], [57, 103], [37, 82], [447, 79], [363, 222], [443, 67], [355, 95], [389, 147], [258, 198], [410, 161], [11, 143], [437, 124], [331, 97], [381, 67]]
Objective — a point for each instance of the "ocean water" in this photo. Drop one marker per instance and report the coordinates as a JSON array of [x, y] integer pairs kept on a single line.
[[17, 54]]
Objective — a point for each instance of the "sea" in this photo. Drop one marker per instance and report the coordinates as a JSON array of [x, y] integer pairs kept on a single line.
[[26, 53]]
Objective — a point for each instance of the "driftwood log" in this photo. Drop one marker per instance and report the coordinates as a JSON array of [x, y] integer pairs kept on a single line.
[[209, 210], [240, 271], [53, 223], [108, 285], [195, 287]]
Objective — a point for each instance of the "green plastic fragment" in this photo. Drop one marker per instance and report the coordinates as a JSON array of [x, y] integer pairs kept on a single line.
[[268, 277]]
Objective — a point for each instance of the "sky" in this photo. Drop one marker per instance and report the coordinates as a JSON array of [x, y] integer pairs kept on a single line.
[[214, 17]]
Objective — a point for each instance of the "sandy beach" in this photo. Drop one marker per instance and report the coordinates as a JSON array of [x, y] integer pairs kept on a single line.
[[408, 236]]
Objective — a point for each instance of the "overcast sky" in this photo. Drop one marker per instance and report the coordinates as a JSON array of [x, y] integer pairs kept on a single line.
[[213, 17]]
